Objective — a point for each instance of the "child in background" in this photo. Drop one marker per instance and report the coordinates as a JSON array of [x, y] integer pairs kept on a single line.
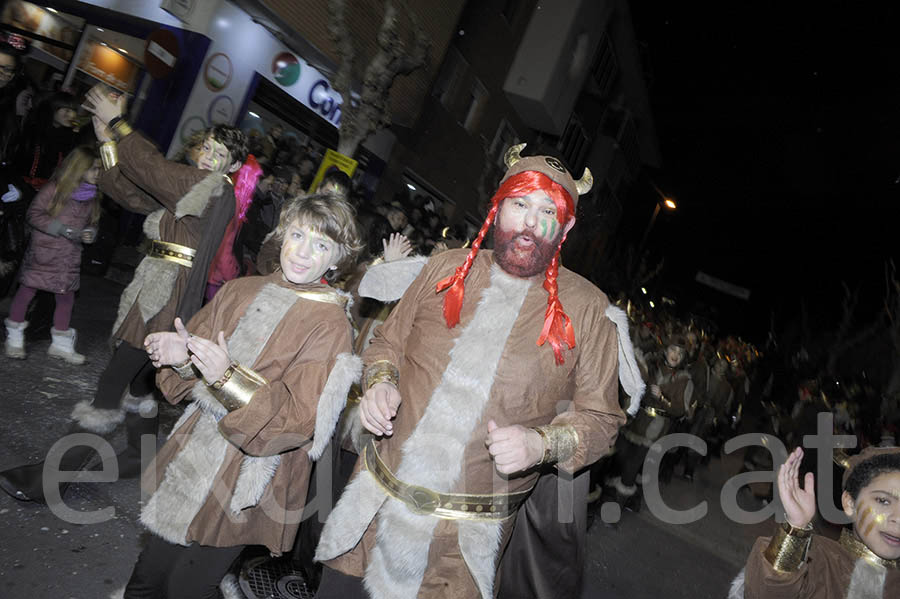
[[863, 563], [63, 216]]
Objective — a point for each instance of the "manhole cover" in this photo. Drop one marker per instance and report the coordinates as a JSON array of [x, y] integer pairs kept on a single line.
[[268, 578]]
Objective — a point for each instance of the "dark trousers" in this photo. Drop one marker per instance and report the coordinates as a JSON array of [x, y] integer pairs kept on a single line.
[[337, 585], [128, 367], [167, 571]]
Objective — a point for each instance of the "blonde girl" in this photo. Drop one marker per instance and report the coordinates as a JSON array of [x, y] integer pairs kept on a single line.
[[63, 216]]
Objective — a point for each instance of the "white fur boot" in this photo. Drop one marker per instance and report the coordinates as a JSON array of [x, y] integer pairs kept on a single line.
[[63, 346], [15, 339]]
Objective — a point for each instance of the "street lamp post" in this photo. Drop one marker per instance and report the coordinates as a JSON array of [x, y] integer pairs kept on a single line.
[[664, 201]]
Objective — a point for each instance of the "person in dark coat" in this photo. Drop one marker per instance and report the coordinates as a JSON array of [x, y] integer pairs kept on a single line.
[[63, 216]]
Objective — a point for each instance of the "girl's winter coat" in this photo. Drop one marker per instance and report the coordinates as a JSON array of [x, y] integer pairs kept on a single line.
[[52, 262]]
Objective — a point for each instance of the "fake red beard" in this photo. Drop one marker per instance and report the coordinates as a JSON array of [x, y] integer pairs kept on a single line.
[[518, 257]]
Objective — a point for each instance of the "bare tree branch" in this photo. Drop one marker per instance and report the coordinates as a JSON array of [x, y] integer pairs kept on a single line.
[[343, 44]]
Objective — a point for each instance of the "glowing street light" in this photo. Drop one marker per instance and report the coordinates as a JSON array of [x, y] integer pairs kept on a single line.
[[664, 200]]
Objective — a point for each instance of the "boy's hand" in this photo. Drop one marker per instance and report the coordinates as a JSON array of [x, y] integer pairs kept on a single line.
[[513, 448], [799, 504], [377, 407], [103, 103], [210, 358]]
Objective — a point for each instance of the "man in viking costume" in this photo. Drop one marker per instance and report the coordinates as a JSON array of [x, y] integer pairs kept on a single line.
[[188, 209], [268, 364], [864, 563], [478, 377]]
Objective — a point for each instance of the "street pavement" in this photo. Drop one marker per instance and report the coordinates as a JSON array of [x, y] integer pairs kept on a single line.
[[53, 555]]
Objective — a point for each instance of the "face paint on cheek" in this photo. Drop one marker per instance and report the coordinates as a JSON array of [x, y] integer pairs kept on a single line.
[[554, 224], [544, 229], [865, 515]]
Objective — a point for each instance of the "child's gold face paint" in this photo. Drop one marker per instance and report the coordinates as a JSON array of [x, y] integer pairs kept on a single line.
[[877, 520]]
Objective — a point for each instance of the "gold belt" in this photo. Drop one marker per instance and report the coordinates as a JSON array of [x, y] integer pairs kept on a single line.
[[450, 506], [180, 254]]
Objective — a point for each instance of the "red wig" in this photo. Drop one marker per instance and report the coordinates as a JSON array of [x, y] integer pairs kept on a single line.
[[557, 326]]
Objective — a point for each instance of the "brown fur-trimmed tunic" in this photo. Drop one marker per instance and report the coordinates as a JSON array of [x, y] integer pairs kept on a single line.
[[187, 206], [309, 367], [527, 388]]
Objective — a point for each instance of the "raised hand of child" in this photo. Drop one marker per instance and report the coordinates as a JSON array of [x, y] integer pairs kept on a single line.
[[799, 503], [210, 357], [395, 247]]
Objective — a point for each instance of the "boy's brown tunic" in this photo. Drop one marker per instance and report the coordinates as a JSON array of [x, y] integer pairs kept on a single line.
[[310, 346], [185, 205], [833, 570]]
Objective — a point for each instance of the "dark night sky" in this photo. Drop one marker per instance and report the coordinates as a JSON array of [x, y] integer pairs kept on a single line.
[[779, 128]]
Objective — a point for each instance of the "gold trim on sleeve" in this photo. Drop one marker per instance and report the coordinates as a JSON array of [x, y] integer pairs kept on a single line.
[[788, 548], [236, 388], [109, 154], [560, 442], [121, 128], [382, 371]]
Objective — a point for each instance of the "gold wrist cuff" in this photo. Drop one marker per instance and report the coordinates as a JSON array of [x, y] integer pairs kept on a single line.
[[109, 154], [122, 128], [236, 387], [382, 371], [788, 547], [186, 370], [560, 442]]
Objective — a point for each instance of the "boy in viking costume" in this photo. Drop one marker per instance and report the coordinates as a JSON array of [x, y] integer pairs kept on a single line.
[[465, 384], [268, 364], [668, 398], [863, 564], [188, 210]]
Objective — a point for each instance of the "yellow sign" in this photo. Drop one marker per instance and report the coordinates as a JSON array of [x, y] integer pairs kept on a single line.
[[336, 159]]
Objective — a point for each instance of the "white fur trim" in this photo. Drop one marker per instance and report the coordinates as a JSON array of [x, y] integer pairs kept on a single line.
[[187, 482], [133, 404], [96, 420], [255, 475], [151, 224], [350, 517], [151, 298], [622, 488], [117, 594], [433, 454], [388, 281], [230, 588], [195, 201], [737, 586], [867, 581], [479, 543], [346, 371], [629, 373]]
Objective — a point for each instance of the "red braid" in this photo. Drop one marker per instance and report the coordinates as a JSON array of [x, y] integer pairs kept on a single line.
[[557, 326], [453, 299]]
